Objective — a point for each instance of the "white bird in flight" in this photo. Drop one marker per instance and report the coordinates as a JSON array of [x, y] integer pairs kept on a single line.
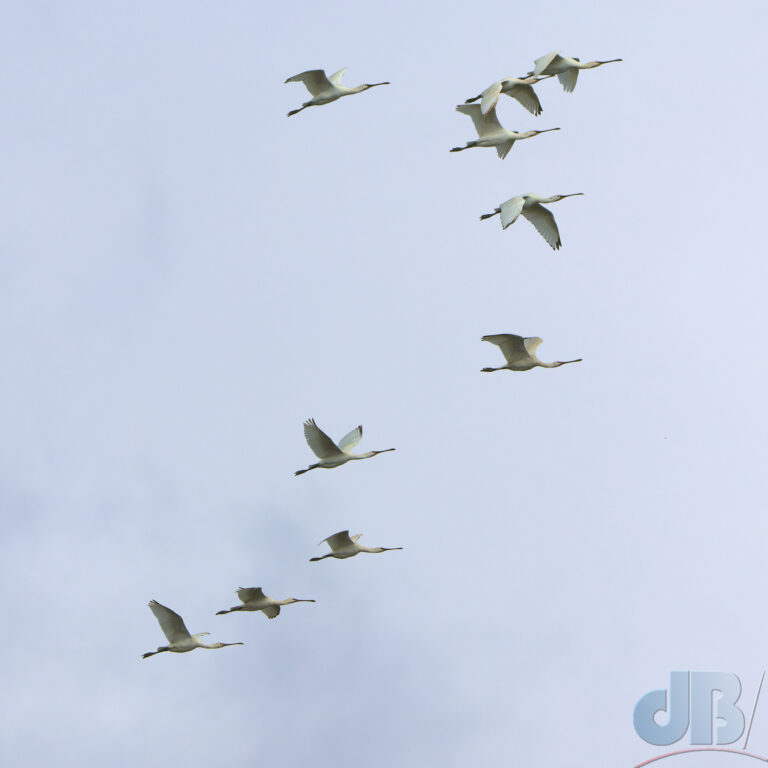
[[531, 207], [179, 639], [343, 545], [254, 599], [324, 89], [565, 67], [517, 88], [330, 454], [491, 133], [520, 353]]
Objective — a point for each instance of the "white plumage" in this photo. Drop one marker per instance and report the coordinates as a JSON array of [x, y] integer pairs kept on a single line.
[[491, 133], [254, 599], [177, 634], [330, 454], [520, 89], [532, 208], [343, 546], [565, 67], [520, 352], [324, 89]]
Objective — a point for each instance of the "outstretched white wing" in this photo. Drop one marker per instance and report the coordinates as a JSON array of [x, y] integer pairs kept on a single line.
[[526, 96], [170, 622], [512, 346], [502, 150], [340, 540], [490, 97], [271, 611], [510, 210], [314, 79], [568, 79], [544, 221], [484, 124], [335, 79], [322, 445], [248, 594], [532, 344], [550, 59], [351, 439]]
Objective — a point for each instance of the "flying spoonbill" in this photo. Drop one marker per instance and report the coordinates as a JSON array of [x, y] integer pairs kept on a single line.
[[490, 131], [254, 599], [330, 454], [324, 89], [520, 353], [517, 88], [565, 67], [343, 545], [531, 207], [179, 639]]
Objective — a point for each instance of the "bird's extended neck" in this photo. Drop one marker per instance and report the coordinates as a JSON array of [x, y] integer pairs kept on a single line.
[[368, 454], [530, 134], [214, 646], [376, 550], [366, 86], [557, 363], [593, 64], [557, 198]]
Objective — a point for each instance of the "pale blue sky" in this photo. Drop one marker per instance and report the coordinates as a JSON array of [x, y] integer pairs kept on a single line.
[[187, 275]]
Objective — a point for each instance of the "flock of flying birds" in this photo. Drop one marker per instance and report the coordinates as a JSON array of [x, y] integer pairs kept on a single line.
[[519, 352]]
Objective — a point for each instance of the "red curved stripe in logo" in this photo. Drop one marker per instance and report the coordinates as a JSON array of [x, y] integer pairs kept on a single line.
[[703, 749]]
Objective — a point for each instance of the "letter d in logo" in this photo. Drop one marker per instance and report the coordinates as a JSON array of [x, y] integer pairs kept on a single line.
[[656, 701], [702, 708]]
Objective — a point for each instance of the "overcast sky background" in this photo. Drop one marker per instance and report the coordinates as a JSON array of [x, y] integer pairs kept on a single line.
[[187, 275]]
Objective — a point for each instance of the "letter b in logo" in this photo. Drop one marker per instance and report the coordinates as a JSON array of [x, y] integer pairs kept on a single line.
[[691, 696]]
